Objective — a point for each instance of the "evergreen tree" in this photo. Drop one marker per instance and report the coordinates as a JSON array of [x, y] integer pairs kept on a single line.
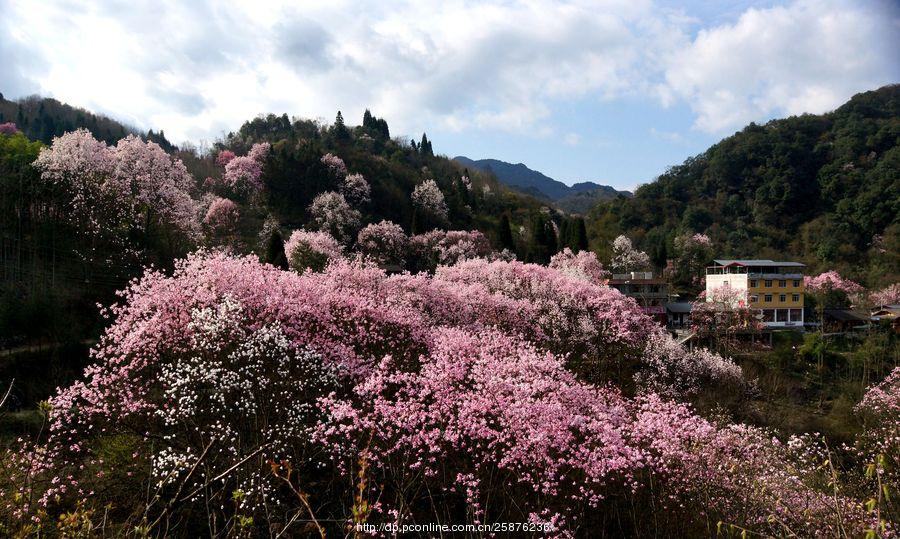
[[580, 233], [425, 147], [504, 234], [565, 233], [340, 130], [275, 251]]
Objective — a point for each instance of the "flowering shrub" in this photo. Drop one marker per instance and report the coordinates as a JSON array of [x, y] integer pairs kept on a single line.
[[587, 322], [356, 189], [583, 265], [244, 174], [669, 368], [224, 157], [241, 397], [889, 295], [331, 213], [440, 247], [454, 384], [383, 242], [335, 165], [311, 250], [831, 280], [879, 445], [132, 184], [692, 252], [221, 216], [8, 128], [428, 198], [625, 257]]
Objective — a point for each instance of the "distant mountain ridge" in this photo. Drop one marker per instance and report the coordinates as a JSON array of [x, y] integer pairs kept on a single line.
[[578, 198]]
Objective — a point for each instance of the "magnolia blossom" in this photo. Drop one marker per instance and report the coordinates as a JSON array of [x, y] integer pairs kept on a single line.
[[583, 265], [335, 165], [331, 213], [132, 182], [311, 250], [467, 183], [626, 258], [158, 183], [383, 242], [458, 383], [356, 189], [889, 295], [439, 247], [8, 128], [244, 174], [831, 280], [427, 197], [671, 369], [222, 215], [224, 157]]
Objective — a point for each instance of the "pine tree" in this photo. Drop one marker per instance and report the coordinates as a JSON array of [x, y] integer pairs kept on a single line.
[[275, 251], [504, 234], [340, 130], [425, 147], [565, 233], [581, 239]]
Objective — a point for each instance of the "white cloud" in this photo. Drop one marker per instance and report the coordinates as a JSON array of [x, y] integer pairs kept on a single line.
[[810, 56], [197, 69]]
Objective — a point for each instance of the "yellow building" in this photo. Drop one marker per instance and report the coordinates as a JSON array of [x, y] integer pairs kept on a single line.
[[773, 288]]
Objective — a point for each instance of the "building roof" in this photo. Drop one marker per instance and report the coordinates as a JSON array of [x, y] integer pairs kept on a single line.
[[679, 307], [757, 262], [844, 315]]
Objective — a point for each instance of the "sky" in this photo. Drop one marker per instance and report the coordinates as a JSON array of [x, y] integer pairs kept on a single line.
[[610, 91]]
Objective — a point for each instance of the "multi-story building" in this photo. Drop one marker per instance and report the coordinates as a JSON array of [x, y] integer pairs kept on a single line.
[[773, 288], [650, 293]]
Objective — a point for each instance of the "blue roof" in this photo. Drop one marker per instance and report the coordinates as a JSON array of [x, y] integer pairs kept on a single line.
[[729, 262]]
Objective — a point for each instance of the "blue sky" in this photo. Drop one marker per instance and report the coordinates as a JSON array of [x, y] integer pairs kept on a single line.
[[612, 91]]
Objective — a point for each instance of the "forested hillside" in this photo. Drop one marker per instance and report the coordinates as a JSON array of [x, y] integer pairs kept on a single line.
[[822, 189]]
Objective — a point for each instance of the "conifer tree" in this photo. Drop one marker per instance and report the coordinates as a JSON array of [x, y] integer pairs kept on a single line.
[[275, 251], [504, 234]]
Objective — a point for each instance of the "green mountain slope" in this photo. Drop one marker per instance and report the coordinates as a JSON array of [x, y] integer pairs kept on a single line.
[[822, 189]]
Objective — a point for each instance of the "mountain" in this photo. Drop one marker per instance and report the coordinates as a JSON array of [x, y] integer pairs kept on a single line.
[[821, 189], [577, 198], [42, 118]]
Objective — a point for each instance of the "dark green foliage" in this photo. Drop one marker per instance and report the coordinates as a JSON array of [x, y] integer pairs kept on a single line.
[[543, 244], [504, 234], [275, 251], [425, 147], [375, 127], [824, 190], [339, 130]]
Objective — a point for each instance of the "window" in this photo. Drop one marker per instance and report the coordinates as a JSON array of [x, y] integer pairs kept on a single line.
[[768, 315], [796, 315], [752, 283], [782, 284], [796, 283], [782, 298], [781, 315], [754, 298], [768, 297], [768, 283], [795, 297]]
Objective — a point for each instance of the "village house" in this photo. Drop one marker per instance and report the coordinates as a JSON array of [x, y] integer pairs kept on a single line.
[[650, 292], [773, 288]]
